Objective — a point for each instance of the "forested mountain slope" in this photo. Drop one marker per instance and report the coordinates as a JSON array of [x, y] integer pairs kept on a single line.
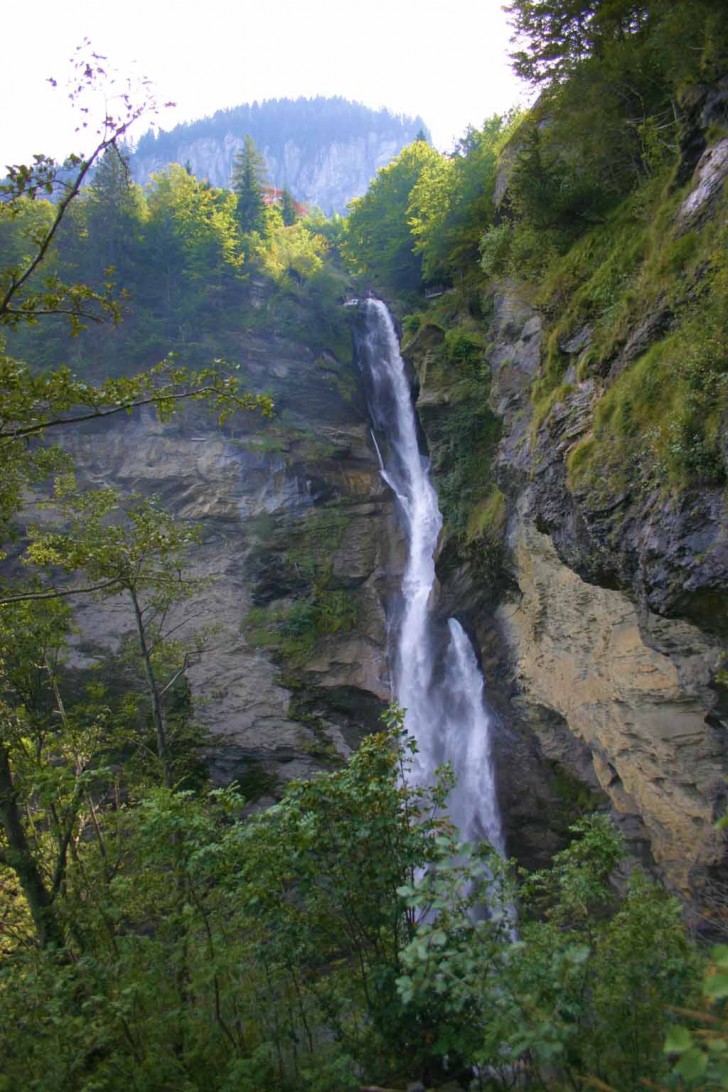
[[324, 150]]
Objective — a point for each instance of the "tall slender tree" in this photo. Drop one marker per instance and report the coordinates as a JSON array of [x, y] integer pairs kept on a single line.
[[248, 180], [289, 210]]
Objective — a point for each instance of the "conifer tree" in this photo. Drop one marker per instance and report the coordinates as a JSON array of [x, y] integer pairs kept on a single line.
[[248, 179], [289, 210]]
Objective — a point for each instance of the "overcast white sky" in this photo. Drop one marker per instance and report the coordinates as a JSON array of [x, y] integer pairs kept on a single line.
[[445, 61]]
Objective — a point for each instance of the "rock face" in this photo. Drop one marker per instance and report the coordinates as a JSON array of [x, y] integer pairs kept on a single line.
[[622, 663], [601, 619], [324, 151], [604, 636], [268, 497], [634, 688]]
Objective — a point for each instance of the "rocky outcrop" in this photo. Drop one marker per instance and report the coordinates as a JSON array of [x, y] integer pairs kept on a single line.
[[266, 495], [605, 657], [619, 624], [614, 629], [635, 688]]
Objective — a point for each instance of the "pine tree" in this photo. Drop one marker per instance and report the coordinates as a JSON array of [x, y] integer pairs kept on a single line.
[[289, 210], [248, 179]]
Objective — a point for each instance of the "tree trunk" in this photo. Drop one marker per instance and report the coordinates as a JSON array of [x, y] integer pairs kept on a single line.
[[19, 857], [154, 695]]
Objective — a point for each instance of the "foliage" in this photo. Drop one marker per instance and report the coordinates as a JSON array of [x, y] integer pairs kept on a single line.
[[257, 954], [51, 750], [462, 440], [248, 179], [322, 607], [292, 253], [561, 38], [24, 294], [578, 997], [336, 937], [177, 250], [590, 222], [559, 35], [378, 237], [662, 420], [191, 241], [423, 215], [699, 1046], [452, 203], [609, 120]]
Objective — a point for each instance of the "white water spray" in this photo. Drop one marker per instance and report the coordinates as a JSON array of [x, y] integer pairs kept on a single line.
[[436, 674]]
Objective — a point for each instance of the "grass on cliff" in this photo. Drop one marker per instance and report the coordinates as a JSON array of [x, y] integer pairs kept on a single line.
[[292, 630], [650, 301], [448, 345]]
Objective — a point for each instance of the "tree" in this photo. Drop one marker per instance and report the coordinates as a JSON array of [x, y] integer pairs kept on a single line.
[[293, 253], [558, 35], [248, 179], [452, 203], [191, 246], [128, 546], [110, 212], [290, 210], [22, 297], [379, 239], [39, 809], [49, 758]]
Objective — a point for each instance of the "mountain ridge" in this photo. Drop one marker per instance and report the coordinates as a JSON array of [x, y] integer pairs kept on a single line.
[[324, 150]]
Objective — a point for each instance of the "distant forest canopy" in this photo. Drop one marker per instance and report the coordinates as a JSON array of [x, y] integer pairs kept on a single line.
[[294, 136], [176, 260]]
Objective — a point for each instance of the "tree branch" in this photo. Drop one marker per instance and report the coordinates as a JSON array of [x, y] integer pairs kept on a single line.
[[160, 396], [27, 597]]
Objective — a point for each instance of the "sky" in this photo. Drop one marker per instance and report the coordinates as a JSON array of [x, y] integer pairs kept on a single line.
[[445, 61]]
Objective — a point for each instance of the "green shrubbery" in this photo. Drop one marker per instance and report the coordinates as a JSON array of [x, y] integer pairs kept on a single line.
[[338, 938]]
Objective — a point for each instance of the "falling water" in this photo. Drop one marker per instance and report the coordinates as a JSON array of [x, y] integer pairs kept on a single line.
[[436, 674]]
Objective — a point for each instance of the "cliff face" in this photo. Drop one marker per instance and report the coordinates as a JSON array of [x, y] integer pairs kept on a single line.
[[296, 558], [598, 602], [327, 177], [604, 634]]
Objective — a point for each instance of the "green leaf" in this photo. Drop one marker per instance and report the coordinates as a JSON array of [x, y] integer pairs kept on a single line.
[[692, 1064], [716, 986], [677, 1040]]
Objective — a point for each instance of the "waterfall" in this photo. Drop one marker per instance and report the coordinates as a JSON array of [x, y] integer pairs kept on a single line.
[[436, 677]]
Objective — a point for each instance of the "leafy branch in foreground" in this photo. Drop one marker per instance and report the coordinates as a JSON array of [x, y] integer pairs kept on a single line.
[[129, 547], [22, 300], [32, 406]]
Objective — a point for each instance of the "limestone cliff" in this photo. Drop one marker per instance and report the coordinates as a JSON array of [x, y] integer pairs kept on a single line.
[[296, 556], [324, 151]]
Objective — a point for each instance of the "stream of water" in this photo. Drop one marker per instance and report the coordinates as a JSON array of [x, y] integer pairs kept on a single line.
[[436, 676]]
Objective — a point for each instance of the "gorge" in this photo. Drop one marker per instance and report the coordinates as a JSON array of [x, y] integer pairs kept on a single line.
[[465, 447]]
